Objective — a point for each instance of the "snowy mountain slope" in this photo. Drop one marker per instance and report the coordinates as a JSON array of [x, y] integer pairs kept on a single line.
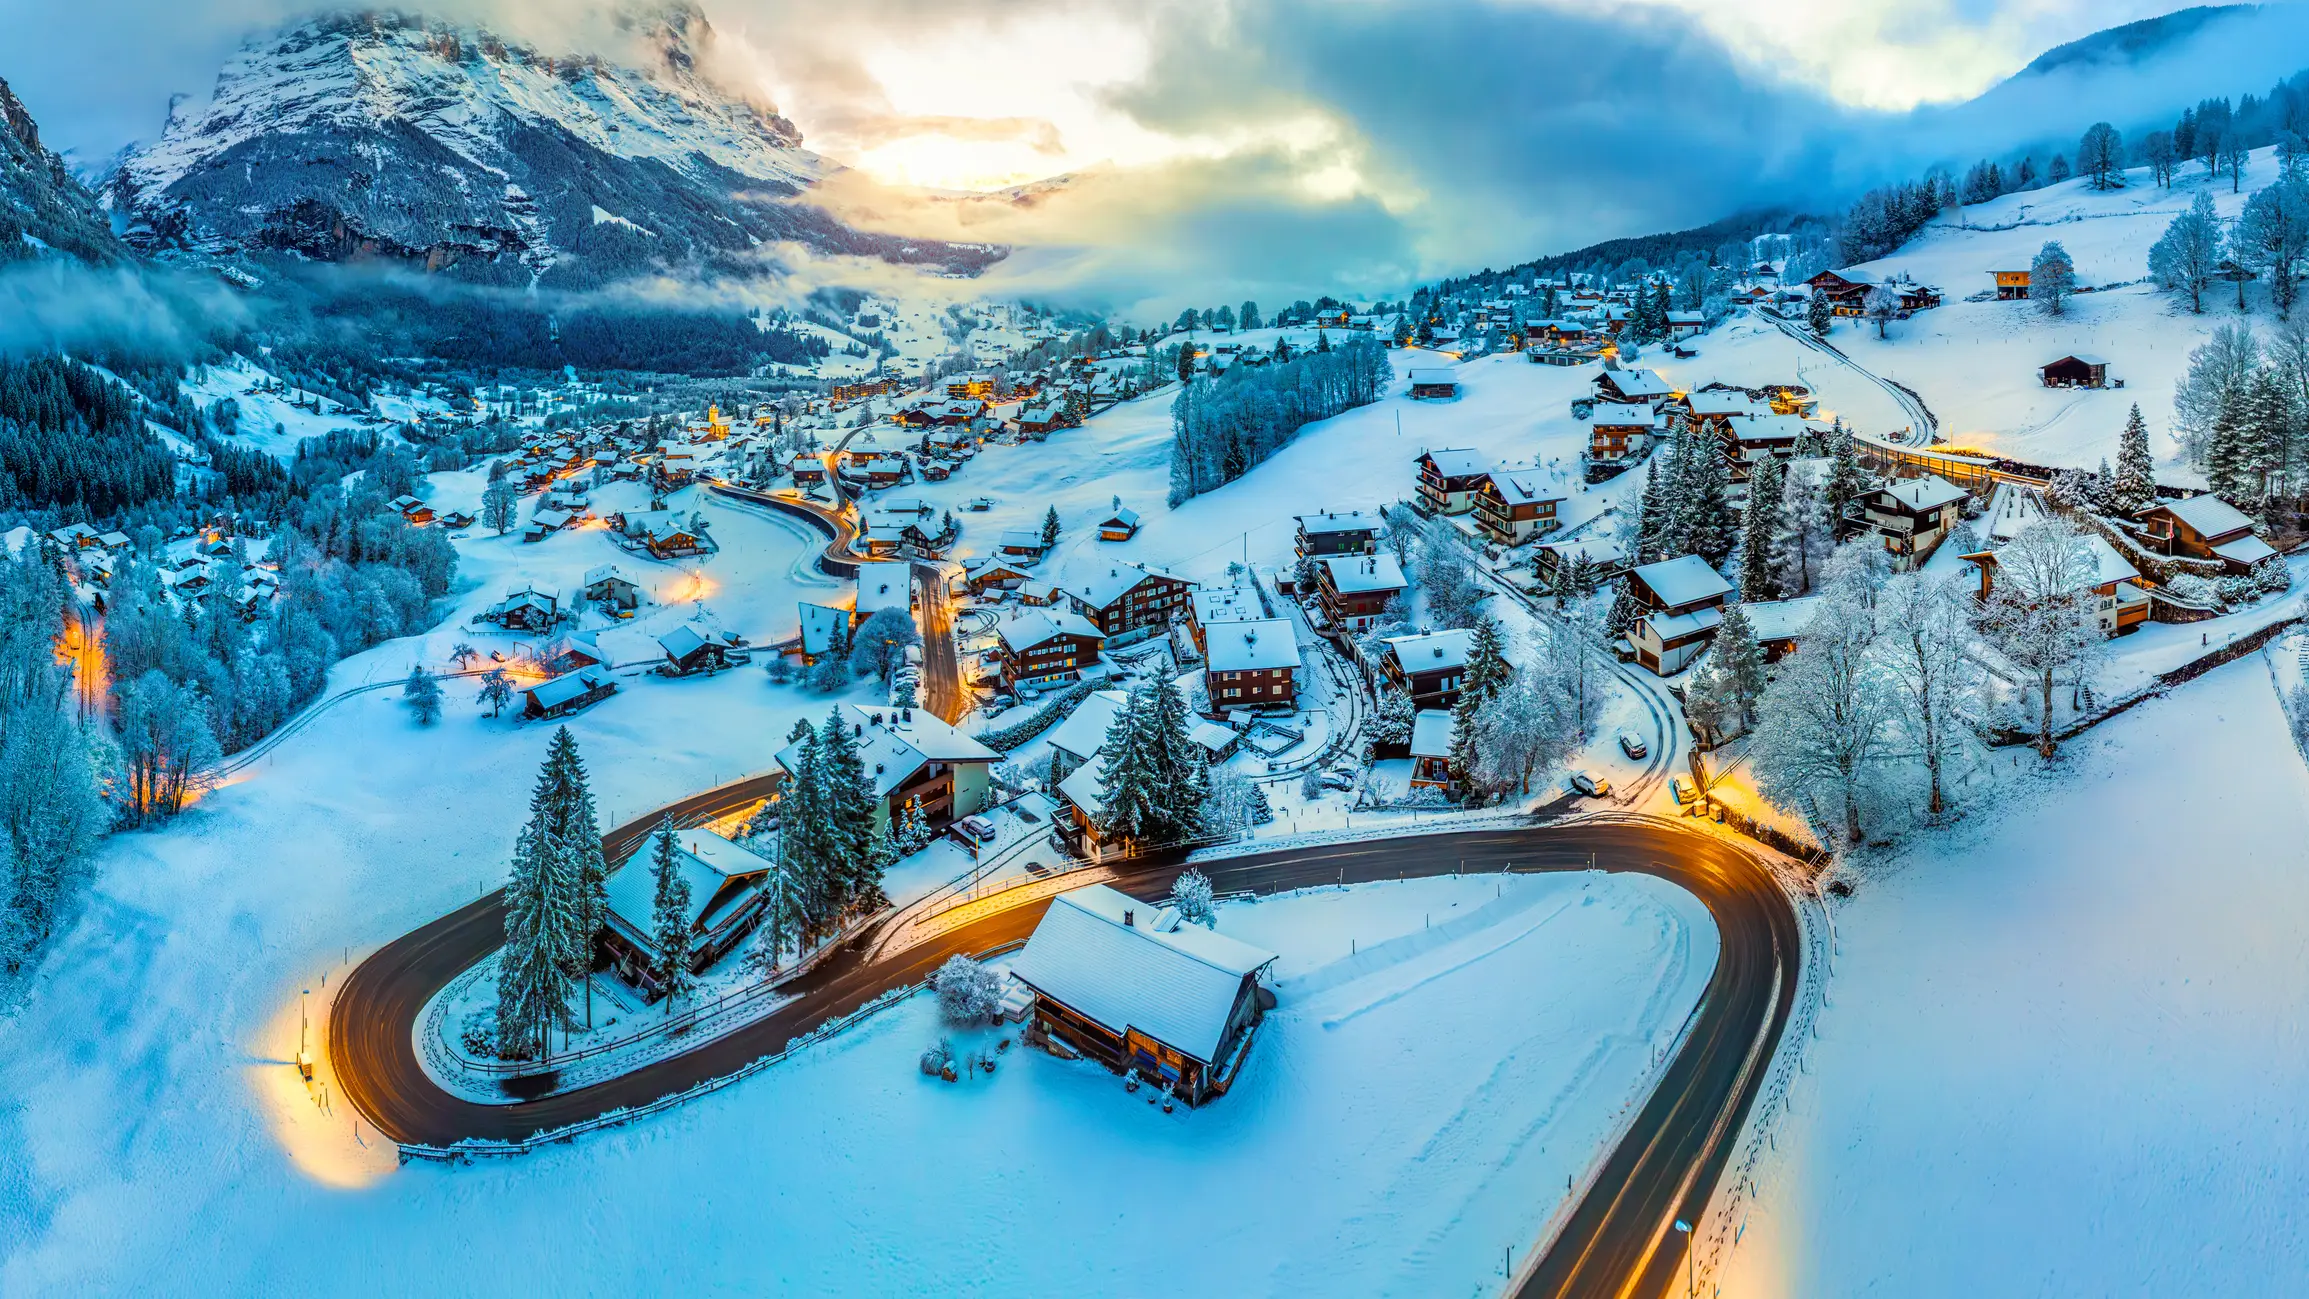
[[41, 205], [422, 141], [1974, 363]]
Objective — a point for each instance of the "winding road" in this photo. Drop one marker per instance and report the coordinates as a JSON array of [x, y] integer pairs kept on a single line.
[[1617, 1241]]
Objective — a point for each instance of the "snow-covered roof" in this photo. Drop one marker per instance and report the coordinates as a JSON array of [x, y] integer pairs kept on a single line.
[[1458, 462], [1772, 620], [1638, 383], [1225, 604], [1101, 584], [603, 573], [704, 860], [2208, 514], [823, 628], [885, 586], [1429, 375], [567, 686], [1927, 493], [684, 640], [1768, 428], [1178, 987], [1034, 626], [1683, 580], [897, 745], [1674, 626], [1431, 734], [1722, 402], [1615, 414], [1599, 549], [1520, 486], [2109, 565], [1084, 729], [1360, 574], [1126, 517], [1432, 651], [1329, 521], [1251, 646], [2247, 549]]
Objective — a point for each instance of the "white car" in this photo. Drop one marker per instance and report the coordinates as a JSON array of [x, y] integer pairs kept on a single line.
[[1633, 745], [1590, 784]]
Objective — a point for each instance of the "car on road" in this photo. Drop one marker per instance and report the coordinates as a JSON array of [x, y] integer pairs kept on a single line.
[[1590, 784], [1632, 745]]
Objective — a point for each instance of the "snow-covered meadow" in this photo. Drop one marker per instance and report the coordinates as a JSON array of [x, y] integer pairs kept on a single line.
[[2062, 1051]]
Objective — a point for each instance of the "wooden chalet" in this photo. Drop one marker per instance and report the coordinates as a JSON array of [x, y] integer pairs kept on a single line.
[[606, 586], [1449, 479], [1221, 604], [1847, 295], [808, 471], [2203, 527], [413, 510], [1779, 626], [1355, 589], [1431, 732], [1122, 598], [1251, 664], [1645, 386], [1339, 532], [2011, 284], [1041, 646], [565, 694], [913, 760], [1683, 600], [1427, 666], [1513, 506], [1434, 384], [2120, 603], [528, 609], [691, 649], [1911, 516], [1021, 544], [1599, 558], [1121, 525], [992, 573], [1126, 984], [1620, 431], [728, 895]]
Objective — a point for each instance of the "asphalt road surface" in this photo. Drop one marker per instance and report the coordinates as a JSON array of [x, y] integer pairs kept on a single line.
[[1617, 1242], [942, 691]]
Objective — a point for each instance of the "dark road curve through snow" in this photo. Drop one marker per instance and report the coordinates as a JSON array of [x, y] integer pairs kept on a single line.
[[1618, 1241]]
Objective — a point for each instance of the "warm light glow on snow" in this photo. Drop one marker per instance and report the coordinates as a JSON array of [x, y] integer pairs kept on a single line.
[[320, 1141]]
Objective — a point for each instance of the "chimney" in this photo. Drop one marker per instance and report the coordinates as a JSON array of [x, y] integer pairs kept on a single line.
[[1129, 918]]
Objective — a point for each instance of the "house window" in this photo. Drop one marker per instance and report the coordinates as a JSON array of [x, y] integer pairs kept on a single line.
[[1232, 693]]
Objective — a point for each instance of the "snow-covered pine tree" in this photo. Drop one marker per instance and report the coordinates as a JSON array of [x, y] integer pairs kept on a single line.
[[1806, 536], [1740, 662], [1703, 498], [669, 917], [1182, 773], [1819, 315], [1625, 609], [2135, 484], [1127, 778], [546, 941], [1654, 516], [1050, 527], [1847, 482], [1758, 526], [1487, 672], [2228, 453], [850, 816]]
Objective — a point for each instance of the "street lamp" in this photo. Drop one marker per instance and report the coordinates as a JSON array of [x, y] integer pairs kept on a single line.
[[1691, 1260]]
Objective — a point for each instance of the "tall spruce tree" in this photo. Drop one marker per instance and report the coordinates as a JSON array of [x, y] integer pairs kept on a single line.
[[1654, 516], [1847, 481], [669, 917], [2135, 484], [850, 816], [1759, 579], [1739, 663], [1487, 672], [1127, 776], [1703, 499], [548, 938]]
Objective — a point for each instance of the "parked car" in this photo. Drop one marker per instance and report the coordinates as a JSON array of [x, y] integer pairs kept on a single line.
[[1338, 780], [1632, 745], [976, 828], [1590, 784]]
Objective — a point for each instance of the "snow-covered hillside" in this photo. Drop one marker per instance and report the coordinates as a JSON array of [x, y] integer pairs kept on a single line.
[[2062, 1052], [1974, 363], [428, 141]]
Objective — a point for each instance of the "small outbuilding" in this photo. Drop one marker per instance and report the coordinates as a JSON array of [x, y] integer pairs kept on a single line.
[[567, 693], [2075, 372], [1434, 385]]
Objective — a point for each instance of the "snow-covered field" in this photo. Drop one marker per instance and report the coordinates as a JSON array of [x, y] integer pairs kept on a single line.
[[2063, 1053], [152, 1087], [1975, 363]]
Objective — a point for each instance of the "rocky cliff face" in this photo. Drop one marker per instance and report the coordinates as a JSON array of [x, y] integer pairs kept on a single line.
[[43, 210], [396, 137]]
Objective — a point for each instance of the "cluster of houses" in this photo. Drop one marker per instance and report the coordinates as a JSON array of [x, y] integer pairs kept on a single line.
[[203, 576]]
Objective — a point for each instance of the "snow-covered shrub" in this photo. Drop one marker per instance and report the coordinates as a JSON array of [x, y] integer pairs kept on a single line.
[[1191, 894], [1311, 784], [479, 1037], [2239, 589], [830, 675], [781, 670], [968, 992], [938, 1059], [2189, 588], [2271, 574]]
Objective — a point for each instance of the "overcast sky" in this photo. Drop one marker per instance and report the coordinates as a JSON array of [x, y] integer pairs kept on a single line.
[[1261, 142]]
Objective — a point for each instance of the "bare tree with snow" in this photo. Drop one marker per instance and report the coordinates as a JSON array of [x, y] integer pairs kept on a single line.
[[1927, 643], [2041, 614], [1823, 721]]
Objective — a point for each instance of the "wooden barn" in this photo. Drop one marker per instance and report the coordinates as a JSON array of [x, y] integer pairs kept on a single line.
[[2075, 372]]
